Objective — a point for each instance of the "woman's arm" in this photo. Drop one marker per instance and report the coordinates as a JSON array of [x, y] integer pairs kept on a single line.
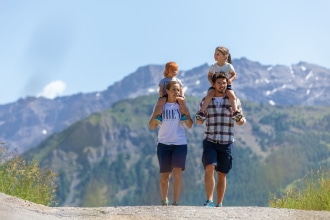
[[189, 123], [152, 124], [185, 111]]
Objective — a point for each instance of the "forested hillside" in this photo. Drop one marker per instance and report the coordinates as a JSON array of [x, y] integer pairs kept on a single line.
[[109, 158]]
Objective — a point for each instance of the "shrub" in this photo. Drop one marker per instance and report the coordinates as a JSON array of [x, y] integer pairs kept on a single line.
[[311, 193], [26, 180]]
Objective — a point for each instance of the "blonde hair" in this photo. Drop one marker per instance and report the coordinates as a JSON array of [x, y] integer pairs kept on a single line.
[[169, 67]]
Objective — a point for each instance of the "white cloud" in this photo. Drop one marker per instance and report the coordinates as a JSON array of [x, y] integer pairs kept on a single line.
[[53, 89], [271, 102]]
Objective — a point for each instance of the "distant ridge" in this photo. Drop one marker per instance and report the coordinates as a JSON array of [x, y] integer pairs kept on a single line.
[[27, 122]]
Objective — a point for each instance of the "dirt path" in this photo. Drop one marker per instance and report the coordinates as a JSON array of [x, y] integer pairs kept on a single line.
[[12, 208]]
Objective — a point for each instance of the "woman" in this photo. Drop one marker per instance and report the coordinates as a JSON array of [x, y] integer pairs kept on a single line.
[[172, 142]]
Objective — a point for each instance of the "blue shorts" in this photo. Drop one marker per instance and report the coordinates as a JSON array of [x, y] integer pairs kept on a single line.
[[171, 156], [218, 155], [228, 88]]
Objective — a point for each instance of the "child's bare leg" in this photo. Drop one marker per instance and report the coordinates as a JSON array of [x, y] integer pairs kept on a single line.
[[233, 101], [161, 101], [159, 107], [200, 115], [207, 100]]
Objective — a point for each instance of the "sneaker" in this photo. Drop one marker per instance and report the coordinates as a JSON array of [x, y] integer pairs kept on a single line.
[[200, 116], [164, 202], [208, 203], [175, 203], [237, 116], [183, 118], [159, 119], [219, 205]]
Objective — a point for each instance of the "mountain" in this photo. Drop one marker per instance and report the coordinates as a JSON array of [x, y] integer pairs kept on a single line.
[[109, 158], [28, 121]]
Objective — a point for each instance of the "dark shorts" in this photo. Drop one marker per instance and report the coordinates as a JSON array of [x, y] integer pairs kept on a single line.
[[171, 156], [228, 88], [218, 155]]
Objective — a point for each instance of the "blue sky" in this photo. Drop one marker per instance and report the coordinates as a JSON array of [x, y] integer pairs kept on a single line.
[[62, 47]]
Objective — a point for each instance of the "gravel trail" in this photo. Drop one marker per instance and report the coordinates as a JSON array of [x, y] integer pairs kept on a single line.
[[12, 208]]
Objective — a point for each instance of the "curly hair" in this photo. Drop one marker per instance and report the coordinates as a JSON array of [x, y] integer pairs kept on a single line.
[[170, 66]]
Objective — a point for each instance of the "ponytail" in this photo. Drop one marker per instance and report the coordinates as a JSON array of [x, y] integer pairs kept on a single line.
[[229, 58]]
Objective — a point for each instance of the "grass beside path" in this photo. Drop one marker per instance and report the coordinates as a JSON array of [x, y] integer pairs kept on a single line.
[[311, 193], [25, 179]]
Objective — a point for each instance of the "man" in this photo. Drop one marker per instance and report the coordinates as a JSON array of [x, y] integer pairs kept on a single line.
[[218, 140]]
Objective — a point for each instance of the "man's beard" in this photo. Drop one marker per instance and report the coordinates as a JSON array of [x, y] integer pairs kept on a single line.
[[222, 91]]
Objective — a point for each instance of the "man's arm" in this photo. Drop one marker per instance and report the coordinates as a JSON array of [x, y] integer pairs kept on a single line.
[[199, 122], [241, 121]]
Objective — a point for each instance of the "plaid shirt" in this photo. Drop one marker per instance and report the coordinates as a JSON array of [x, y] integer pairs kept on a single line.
[[219, 122]]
